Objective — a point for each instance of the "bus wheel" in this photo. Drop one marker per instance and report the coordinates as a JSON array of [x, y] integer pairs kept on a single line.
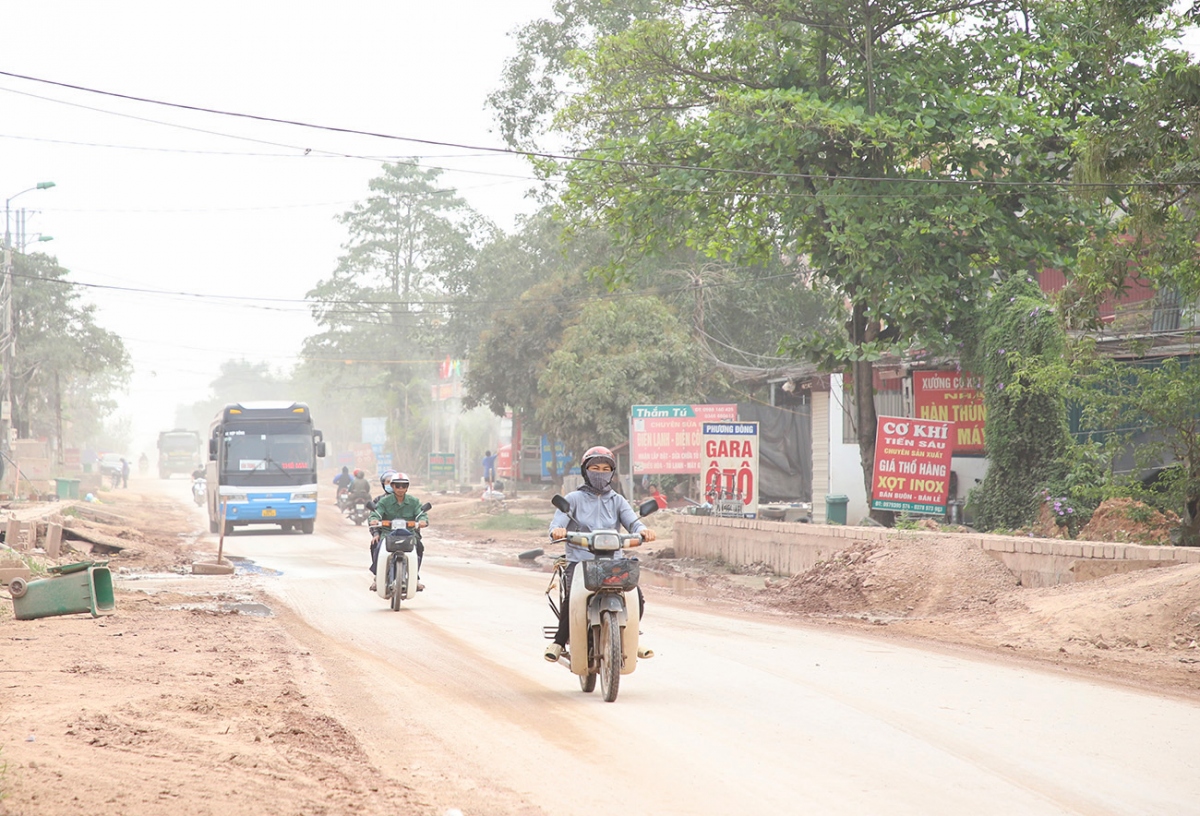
[[229, 528], [307, 526]]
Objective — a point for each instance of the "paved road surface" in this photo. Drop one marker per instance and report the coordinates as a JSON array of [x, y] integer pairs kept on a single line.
[[735, 715]]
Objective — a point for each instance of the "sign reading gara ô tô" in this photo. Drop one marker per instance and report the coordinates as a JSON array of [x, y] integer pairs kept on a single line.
[[912, 465]]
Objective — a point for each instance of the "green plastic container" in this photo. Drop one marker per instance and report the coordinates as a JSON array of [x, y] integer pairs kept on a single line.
[[67, 488], [835, 509], [77, 588]]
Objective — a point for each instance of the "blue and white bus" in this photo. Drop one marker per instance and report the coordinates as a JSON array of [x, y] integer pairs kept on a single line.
[[262, 466]]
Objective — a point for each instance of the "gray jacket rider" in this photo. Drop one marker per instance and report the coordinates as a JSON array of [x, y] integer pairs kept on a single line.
[[595, 511]]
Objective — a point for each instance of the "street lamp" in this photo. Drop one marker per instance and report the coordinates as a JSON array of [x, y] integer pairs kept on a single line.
[[10, 337], [41, 185], [37, 239]]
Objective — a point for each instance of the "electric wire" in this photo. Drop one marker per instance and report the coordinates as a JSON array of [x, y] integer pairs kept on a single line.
[[579, 158]]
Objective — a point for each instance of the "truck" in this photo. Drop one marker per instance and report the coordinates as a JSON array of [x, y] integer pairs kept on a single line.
[[178, 452], [262, 466]]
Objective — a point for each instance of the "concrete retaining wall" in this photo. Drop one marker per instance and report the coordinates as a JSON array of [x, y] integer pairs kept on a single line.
[[790, 549]]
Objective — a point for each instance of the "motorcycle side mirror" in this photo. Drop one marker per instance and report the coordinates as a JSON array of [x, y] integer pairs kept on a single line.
[[647, 507], [564, 506], [426, 507]]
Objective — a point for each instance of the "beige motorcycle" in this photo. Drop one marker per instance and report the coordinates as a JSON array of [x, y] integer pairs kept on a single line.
[[603, 640], [396, 564]]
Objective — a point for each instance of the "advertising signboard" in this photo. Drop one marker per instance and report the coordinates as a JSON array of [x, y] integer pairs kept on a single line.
[[383, 462], [553, 458], [952, 396], [374, 430], [364, 458], [730, 456], [666, 438], [912, 465], [441, 466]]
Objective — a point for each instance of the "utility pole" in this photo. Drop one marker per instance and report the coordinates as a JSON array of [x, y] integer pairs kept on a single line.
[[10, 338]]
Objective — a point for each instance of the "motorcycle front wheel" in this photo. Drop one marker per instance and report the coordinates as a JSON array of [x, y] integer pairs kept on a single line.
[[399, 574], [609, 650]]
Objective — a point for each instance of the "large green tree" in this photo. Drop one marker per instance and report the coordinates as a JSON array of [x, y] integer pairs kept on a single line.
[[66, 368], [911, 152], [621, 353], [383, 312]]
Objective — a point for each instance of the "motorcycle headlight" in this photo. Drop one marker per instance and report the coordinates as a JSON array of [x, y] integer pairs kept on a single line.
[[606, 541], [304, 497]]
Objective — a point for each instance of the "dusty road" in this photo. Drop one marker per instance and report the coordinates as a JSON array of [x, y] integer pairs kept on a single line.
[[187, 701], [735, 714]]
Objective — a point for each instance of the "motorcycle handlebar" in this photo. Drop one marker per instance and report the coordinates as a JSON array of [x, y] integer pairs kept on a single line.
[[583, 538]]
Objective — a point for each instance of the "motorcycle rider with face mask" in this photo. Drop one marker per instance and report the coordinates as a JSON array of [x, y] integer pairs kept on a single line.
[[596, 506]]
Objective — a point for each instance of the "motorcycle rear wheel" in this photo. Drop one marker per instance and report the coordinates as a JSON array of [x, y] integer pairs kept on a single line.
[[587, 682], [609, 649]]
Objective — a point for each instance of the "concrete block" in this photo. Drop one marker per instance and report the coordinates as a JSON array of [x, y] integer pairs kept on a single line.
[[53, 539], [12, 535], [8, 572], [1110, 551]]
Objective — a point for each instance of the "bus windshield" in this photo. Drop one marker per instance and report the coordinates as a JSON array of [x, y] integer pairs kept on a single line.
[[266, 450]]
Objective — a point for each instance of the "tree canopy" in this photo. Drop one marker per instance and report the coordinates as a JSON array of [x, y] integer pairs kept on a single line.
[[911, 152], [66, 367]]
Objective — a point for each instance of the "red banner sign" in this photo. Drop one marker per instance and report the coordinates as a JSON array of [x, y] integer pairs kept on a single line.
[[912, 465], [952, 396]]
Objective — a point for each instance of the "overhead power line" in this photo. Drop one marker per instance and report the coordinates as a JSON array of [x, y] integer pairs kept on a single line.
[[308, 303], [969, 182]]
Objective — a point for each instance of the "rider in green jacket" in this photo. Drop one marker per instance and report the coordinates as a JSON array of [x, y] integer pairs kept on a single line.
[[397, 504]]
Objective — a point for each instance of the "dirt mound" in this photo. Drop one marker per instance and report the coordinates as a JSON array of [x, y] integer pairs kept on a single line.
[[1149, 609], [906, 577], [1129, 521]]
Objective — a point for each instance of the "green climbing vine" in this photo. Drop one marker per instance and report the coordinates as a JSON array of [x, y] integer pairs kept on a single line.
[[1021, 355]]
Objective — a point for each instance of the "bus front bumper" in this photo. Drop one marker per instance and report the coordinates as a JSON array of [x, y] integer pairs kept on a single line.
[[268, 512]]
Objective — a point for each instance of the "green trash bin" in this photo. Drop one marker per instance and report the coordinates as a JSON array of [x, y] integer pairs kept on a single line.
[[76, 588], [835, 509], [67, 488]]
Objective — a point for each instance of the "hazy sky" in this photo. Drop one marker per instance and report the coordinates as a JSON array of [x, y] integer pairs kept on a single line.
[[151, 197]]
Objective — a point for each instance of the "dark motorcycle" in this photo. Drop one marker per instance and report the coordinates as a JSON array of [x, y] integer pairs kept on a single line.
[[358, 511]]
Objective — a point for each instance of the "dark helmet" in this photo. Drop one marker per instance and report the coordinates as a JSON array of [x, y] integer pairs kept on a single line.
[[597, 454], [345, 469], [399, 478]]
